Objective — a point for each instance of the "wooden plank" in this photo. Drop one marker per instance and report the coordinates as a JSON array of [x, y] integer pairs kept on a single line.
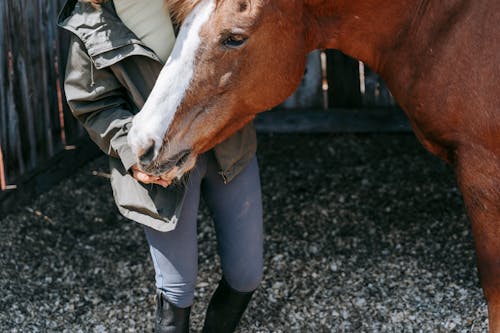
[[3, 180], [343, 81], [13, 153], [45, 73], [333, 121], [3, 101]]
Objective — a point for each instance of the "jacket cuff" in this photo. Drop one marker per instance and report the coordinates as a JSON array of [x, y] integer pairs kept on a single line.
[[122, 149], [127, 157]]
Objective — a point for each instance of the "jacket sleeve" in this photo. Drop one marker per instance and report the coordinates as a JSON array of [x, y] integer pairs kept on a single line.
[[97, 99]]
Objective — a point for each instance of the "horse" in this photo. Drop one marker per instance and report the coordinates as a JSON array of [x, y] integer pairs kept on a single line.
[[440, 59]]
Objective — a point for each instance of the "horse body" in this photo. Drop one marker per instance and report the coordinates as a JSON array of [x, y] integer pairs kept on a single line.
[[440, 73], [439, 59]]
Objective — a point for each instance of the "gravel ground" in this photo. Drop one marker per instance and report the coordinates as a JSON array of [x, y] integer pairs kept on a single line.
[[364, 233]]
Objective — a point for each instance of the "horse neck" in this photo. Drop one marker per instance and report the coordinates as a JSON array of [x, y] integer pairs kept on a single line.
[[364, 30], [391, 37]]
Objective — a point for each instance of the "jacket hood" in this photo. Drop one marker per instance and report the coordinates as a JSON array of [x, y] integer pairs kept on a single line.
[[105, 37], [99, 29]]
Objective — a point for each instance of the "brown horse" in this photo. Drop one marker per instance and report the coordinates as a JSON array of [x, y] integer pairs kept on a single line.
[[441, 60]]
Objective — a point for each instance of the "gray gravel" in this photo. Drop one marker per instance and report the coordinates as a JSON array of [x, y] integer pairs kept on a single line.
[[363, 234]]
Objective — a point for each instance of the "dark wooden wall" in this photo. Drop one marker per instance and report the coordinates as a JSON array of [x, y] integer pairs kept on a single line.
[[34, 125]]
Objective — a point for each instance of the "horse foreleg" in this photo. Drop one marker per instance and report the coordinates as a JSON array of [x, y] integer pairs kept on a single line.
[[478, 173]]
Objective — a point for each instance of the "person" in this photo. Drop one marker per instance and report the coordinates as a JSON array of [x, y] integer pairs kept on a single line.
[[116, 52]]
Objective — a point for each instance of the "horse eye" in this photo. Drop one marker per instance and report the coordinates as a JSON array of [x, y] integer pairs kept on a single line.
[[235, 40]]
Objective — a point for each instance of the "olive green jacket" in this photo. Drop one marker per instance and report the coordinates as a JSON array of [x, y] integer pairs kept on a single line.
[[109, 75]]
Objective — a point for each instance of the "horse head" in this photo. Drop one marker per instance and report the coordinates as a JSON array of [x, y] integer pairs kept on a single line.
[[213, 82]]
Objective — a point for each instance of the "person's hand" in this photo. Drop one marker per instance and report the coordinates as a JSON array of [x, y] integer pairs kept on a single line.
[[146, 178]]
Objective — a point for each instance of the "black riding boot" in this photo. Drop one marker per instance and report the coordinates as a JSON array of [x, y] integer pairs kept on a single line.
[[225, 309], [169, 318]]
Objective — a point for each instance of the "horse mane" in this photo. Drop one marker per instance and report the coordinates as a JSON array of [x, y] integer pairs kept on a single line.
[[180, 9]]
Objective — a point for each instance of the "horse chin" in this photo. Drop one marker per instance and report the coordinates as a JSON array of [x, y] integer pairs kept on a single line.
[[177, 172]]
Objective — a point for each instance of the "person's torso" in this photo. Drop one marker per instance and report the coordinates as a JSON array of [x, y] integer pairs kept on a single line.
[[150, 21]]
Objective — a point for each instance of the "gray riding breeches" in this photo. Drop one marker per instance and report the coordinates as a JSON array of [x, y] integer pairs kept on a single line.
[[236, 209]]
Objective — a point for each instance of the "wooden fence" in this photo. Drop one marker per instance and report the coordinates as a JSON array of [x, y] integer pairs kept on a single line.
[[35, 124], [333, 80]]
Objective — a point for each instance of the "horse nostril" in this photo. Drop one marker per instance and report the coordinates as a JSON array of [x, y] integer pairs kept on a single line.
[[148, 156]]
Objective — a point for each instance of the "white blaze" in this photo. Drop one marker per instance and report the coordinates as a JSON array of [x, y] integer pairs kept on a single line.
[[152, 122]]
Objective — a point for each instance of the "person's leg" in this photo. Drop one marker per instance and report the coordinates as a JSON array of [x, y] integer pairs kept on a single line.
[[237, 212], [175, 259]]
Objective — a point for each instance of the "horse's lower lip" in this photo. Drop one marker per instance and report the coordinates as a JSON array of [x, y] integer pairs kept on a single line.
[[175, 161]]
